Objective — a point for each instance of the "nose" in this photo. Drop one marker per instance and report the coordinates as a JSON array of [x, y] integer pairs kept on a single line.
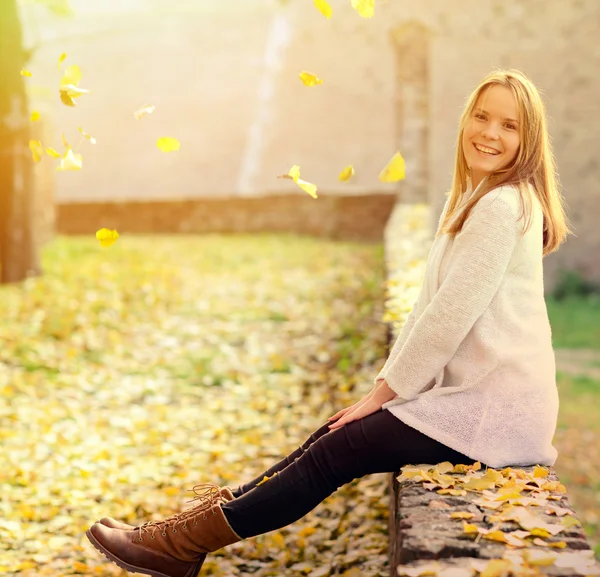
[[490, 131]]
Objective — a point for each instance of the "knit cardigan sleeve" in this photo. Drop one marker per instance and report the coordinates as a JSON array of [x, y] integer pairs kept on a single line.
[[480, 256], [408, 325]]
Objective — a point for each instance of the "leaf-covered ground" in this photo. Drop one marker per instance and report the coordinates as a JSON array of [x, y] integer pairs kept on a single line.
[[130, 374]]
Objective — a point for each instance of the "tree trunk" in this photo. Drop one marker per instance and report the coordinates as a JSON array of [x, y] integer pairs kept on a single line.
[[18, 253]]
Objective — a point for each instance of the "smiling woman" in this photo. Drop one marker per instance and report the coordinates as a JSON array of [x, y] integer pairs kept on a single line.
[[491, 138]]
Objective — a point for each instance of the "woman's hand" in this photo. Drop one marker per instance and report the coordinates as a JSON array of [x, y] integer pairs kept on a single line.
[[354, 406], [369, 404]]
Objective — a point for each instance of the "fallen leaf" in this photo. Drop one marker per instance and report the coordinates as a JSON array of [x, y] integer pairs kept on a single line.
[[61, 59], [35, 116], [25, 72]]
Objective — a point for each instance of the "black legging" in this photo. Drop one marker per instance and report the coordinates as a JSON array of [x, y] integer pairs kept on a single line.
[[378, 443]]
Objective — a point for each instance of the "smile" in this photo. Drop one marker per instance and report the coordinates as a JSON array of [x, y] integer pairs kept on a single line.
[[485, 150]]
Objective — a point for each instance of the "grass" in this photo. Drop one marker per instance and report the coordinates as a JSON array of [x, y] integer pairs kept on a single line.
[[576, 324]]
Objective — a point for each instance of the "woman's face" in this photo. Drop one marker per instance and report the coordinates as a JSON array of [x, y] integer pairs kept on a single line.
[[491, 136]]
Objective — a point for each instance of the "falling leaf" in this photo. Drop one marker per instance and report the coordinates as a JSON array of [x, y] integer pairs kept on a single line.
[[107, 237], [347, 173], [168, 144], [72, 75], [88, 136], [66, 99], [25, 72], [324, 8], [309, 79], [294, 174], [366, 8], [53, 153], [64, 141], [394, 170], [148, 109], [70, 161], [68, 86], [61, 59], [37, 150], [35, 116]]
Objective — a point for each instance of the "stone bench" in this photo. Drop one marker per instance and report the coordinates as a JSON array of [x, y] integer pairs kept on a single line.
[[506, 521]]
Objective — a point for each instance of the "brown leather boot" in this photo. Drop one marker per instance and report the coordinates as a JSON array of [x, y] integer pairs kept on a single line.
[[174, 548], [206, 498]]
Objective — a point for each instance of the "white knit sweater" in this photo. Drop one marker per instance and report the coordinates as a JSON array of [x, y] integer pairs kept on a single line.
[[474, 367]]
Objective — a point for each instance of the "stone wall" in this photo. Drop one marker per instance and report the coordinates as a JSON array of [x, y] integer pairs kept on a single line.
[[356, 218]]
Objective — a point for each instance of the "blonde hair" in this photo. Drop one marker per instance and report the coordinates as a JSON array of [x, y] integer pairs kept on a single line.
[[532, 169]]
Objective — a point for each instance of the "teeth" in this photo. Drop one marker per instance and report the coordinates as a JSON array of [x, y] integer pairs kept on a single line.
[[486, 150]]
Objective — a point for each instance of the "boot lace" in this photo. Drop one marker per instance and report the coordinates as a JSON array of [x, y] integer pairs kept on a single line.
[[209, 495]]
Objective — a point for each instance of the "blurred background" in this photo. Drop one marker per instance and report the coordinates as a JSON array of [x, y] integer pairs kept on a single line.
[[224, 79]]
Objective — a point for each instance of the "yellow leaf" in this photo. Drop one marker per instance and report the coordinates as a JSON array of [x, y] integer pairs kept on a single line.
[[66, 99], [35, 116], [70, 161], [307, 187], [294, 174], [279, 540], [469, 528], [540, 471], [495, 536], [307, 531], [309, 79], [324, 8], [72, 75], [569, 521], [347, 173], [53, 153], [366, 8], [107, 237], [168, 144], [64, 141], [73, 91], [89, 137], [148, 109], [394, 170], [61, 59], [462, 515], [25, 72], [37, 150]]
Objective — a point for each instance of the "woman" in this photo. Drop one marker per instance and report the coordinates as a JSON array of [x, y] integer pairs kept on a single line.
[[470, 378]]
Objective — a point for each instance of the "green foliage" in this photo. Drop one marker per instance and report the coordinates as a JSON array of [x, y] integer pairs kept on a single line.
[[572, 284]]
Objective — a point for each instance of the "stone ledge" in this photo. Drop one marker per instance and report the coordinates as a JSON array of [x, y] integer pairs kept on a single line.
[[422, 530]]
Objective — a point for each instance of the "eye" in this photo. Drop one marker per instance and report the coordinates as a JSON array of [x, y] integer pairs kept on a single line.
[[511, 126], [479, 116]]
